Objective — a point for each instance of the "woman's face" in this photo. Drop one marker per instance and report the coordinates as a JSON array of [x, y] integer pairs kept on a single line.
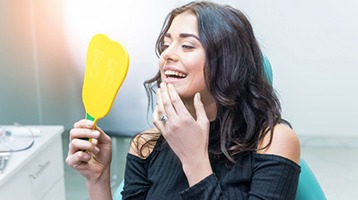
[[183, 59]]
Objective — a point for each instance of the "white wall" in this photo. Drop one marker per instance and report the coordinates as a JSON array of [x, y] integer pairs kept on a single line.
[[312, 46]]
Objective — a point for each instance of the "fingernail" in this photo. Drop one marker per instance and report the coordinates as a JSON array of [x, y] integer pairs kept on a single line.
[[95, 134], [198, 96], [89, 124], [96, 150]]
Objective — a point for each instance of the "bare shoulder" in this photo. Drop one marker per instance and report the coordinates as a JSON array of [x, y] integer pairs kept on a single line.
[[143, 143], [284, 143]]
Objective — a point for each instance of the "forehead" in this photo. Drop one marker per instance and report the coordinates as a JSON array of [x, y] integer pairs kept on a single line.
[[184, 22]]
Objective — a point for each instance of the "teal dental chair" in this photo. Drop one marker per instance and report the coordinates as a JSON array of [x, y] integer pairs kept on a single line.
[[308, 186]]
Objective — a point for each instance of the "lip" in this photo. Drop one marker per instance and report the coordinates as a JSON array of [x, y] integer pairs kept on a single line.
[[168, 79]]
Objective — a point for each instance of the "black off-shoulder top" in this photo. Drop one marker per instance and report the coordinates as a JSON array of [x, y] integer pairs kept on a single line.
[[253, 176]]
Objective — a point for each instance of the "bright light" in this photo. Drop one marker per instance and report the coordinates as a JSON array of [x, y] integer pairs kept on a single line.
[[84, 18], [135, 24]]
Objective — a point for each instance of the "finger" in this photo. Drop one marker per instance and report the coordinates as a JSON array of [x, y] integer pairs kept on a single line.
[[160, 107], [156, 121], [177, 103], [77, 159], [199, 109], [159, 112], [84, 123], [80, 145], [102, 137], [155, 114], [167, 103], [94, 141], [83, 133]]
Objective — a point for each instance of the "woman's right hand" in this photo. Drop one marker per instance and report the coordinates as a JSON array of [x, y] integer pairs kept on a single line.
[[91, 159]]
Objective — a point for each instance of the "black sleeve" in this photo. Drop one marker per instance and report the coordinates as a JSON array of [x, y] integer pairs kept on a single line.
[[208, 188], [135, 178], [274, 178]]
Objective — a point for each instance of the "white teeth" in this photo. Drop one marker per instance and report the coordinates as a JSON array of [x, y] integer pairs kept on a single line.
[[174, 73]]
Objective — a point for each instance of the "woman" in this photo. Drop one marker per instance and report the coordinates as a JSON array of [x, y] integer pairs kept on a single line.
[[218, 129]]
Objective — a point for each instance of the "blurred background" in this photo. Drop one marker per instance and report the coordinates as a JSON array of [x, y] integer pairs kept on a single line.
[[312, 46]]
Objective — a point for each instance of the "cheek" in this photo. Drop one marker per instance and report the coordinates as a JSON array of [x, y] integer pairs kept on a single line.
[[199, 70], [160, 66], [198, 80], [196, 62], [160, 62], [199, 61]]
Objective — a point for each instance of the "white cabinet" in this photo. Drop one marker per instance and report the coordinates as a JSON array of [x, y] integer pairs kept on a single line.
[[38, 172]]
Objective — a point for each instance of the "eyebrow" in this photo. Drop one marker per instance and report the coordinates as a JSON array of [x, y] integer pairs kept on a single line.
[[183, 35]]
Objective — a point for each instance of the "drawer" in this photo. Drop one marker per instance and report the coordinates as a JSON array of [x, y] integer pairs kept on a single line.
[[45, 169], [57, 192], [38, 176]]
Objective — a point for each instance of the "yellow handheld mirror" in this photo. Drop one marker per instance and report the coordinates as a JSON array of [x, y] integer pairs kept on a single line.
[[107, 65]]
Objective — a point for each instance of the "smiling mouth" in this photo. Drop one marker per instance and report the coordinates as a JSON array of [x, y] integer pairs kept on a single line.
[[174, 74]]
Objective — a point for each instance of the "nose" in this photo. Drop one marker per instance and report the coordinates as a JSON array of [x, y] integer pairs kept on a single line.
[[170, 54]]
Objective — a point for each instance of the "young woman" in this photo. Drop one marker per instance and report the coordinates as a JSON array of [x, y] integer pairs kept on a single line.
[[218, 129]]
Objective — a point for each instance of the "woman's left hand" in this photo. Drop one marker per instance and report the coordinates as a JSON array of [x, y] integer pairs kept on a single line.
[[188, 137]]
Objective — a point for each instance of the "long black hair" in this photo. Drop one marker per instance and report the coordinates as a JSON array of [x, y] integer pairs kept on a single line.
[[247, 106]]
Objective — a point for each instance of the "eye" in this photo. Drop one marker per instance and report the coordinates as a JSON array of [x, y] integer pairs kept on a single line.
[[165, 46], [187, 46]]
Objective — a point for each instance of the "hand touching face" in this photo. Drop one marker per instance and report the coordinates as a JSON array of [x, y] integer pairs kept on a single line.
[[186, 133]]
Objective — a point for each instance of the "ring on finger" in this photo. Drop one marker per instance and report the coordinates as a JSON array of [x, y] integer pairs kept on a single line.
[[164, 118]]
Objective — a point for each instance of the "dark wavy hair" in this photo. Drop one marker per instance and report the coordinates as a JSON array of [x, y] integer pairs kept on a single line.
[[247, 106]]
